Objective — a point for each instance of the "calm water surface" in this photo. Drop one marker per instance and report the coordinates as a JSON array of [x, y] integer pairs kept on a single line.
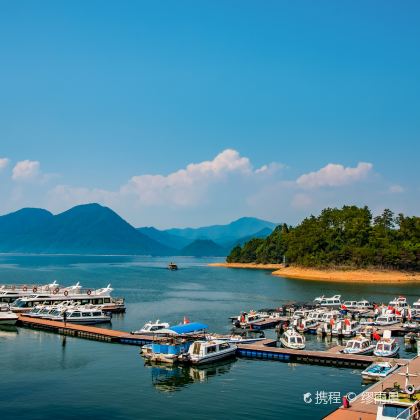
[[44, 375]]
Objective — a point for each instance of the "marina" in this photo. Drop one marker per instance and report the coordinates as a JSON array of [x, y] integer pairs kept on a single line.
[[265, 349], [252, 350]]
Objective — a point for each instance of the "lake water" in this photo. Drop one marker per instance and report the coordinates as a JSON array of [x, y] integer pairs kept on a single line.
[[43, 375]]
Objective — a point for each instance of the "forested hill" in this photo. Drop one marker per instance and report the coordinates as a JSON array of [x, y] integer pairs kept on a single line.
[[347, 237]]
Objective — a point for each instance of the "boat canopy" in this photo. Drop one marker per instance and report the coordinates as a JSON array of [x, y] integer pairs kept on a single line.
[[187, 328]]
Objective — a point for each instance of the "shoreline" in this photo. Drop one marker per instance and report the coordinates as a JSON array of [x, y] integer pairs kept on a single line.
[[333, 275]]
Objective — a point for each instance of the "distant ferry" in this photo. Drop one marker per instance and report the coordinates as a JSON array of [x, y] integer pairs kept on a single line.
[[172, 266]]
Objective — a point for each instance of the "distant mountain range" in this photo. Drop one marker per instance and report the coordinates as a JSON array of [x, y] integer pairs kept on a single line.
[[94, 229], [216, 240]]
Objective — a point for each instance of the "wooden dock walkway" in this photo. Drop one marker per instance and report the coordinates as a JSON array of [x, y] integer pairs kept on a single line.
[[265, 349], [364, 409], [86, 331]]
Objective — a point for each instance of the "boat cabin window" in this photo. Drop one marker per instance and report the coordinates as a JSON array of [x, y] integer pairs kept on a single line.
[[211, 349], [97, 314], [75, 315], [196, 348], [86, 314], [224, 346], [107, 300]]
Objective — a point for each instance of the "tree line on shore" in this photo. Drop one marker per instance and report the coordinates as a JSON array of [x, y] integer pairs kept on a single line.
[[349, 237]]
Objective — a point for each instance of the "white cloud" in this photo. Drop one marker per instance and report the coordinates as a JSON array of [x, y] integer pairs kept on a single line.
[[3, 163], [26, 170], [396, 189], [334, 175], [186, 186]]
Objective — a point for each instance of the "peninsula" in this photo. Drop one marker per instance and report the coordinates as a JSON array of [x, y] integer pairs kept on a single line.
[[346, 245]]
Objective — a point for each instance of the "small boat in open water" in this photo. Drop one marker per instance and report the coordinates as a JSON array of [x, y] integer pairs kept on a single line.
[[172, 266]]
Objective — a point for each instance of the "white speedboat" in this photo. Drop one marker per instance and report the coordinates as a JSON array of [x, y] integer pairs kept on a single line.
[[363, 304], [399, 302], [81, 315], [346, 328], [386, 319], [386, 347], [359, 345], [328, 316], [331, 302], [208, 351], [291, 339], [379, 370], [349, 304], [306, 324], [246, 319], [300, 313], [152, 327], [244, 338], [8, 318]]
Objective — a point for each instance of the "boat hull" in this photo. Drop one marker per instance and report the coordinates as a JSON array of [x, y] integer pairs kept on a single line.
[[387, 354], [11, 321], [212, 358]]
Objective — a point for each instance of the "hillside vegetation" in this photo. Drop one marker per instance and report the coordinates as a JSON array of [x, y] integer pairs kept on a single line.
[[348, 237]]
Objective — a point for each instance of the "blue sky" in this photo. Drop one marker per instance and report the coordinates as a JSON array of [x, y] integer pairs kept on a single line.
[[97, 95]]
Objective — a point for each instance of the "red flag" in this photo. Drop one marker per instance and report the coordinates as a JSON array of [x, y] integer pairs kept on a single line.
[[376, 336], [344, 307], [397, 312], [186, 320], [332, 321], [347, 321]]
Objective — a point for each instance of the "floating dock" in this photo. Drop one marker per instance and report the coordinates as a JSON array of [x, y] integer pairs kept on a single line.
[[85, 331], [265, 349]]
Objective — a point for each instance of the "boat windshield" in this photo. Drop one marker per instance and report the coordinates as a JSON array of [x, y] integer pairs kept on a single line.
[[299, 340], [356, 345], [156, 327], [19, 303]]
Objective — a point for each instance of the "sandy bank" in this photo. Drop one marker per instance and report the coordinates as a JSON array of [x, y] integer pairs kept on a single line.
[[350, 276]]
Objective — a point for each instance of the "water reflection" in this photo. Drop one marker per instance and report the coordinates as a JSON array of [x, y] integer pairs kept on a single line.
[[8, 332], [169, 378]]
